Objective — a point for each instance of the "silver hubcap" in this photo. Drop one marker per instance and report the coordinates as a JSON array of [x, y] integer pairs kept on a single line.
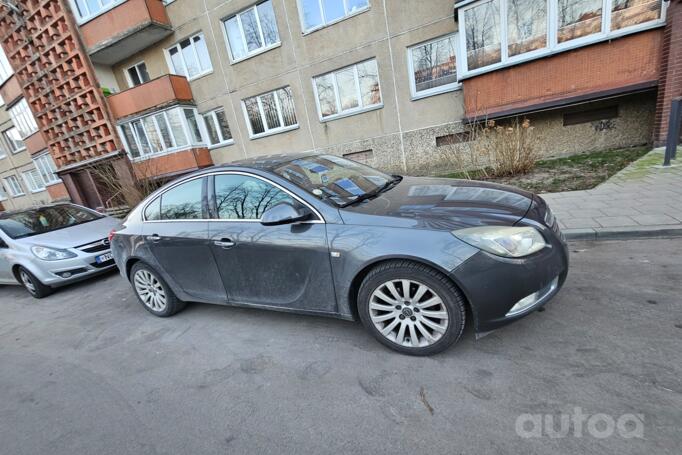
[[150, 290], [408, 313], [27, 281]]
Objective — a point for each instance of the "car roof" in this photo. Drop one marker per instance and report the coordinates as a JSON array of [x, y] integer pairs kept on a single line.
[[268, 162]]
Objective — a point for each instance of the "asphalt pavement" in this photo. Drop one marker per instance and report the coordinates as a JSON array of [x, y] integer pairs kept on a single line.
[[89, 371]]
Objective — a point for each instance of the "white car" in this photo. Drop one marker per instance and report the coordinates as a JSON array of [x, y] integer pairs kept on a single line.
[[45, 247]]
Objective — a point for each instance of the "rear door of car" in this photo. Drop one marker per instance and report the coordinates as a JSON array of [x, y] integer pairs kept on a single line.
[[176, 232], [285, 266]]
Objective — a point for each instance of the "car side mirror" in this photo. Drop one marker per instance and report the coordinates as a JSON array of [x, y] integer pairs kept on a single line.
[[285, 213]]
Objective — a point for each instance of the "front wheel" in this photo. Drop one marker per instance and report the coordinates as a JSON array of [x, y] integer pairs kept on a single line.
[[153, 292], [411, 308], [32, 284]]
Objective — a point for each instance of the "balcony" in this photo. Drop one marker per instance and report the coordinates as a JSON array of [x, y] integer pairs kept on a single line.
[[11, 91], [125, 29], [627, 65], [153, 95]]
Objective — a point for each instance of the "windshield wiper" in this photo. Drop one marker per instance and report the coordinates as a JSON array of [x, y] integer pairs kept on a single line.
[[370, 194]]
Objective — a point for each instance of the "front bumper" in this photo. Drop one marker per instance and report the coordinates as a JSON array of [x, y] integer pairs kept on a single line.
[[59, 273], [494, 285]]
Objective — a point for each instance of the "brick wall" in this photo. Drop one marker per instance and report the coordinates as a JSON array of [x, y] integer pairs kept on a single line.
[[609, 66], [670, 82]]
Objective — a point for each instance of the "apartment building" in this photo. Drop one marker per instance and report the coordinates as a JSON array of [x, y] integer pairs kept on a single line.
[[158, 88], [27, 174]]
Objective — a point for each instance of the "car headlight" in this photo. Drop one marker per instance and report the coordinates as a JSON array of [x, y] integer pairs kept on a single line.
[[51, 254], [513, 242]]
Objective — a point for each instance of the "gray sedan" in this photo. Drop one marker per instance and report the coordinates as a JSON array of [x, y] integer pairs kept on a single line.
[[45, 247], [322, 235]]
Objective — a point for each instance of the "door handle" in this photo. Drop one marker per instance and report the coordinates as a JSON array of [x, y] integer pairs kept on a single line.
[[154, 238], [224, 243]]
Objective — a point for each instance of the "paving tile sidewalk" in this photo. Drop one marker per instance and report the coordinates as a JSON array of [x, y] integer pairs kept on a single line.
[[644, 199]]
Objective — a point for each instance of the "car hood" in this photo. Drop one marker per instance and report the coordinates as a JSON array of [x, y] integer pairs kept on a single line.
[[80, 234], [442, 204]]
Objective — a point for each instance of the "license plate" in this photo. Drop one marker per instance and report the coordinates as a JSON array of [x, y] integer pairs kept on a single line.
[[104, 258]]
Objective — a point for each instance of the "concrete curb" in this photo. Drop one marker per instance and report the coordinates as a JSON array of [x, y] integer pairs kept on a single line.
[[624, 233]]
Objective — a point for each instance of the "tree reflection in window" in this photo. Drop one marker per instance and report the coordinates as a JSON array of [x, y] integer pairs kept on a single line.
[[240, 197], [183, 202], [578, 18], [626, 13], [483, 34]]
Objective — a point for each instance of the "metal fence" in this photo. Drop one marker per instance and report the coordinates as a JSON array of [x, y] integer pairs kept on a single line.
[[674, 131]]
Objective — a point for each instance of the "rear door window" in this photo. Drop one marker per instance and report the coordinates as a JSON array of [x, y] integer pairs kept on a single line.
[[184, 202], [241, 197]]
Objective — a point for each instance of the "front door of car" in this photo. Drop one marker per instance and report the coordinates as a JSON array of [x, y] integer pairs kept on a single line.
[[6, 275], [284, 266], [176, 231]]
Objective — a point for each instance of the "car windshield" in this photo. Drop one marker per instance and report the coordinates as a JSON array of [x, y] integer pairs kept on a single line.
[[333, 178], [44, 219]]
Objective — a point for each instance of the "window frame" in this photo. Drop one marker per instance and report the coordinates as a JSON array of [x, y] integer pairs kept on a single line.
[[8, 186], [105, 8], [457, 85], [269, 131], [33, 180], [324, 23], [214, 118], [189, 135], [6, 70], [11, 142], [129, 79], [353, 111], [22, 117], [552, 46], [260, 50], [41, 165], [176, 45]]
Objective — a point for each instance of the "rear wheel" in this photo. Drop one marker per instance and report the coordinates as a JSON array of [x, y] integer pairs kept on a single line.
[[411, 308], [153, 292], [32, 284]]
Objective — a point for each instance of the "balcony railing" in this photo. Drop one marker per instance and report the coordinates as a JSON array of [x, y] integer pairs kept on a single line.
[[153, 95], [125, 29]]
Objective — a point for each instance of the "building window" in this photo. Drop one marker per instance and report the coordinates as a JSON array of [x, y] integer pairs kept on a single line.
[[498, 33], [23, 118], [578, 18], [13, 140], [47, 169], [137, 74], [33, 181], [483, 35], [270, 113], [217, 129], [89, 9], [252, 31], [349, 90], [13, 186], [628, 13], [526, 26], [318, 13], [162, 132], [433, 66], [190, 57], [6, 70]]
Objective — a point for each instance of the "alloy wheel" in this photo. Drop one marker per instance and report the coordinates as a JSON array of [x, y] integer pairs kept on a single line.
[[408, 313], [150, 290], [27, 281]]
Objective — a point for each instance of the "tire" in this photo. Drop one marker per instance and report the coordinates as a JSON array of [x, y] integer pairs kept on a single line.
[[435, 315], [32, 284], [153, 292]]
